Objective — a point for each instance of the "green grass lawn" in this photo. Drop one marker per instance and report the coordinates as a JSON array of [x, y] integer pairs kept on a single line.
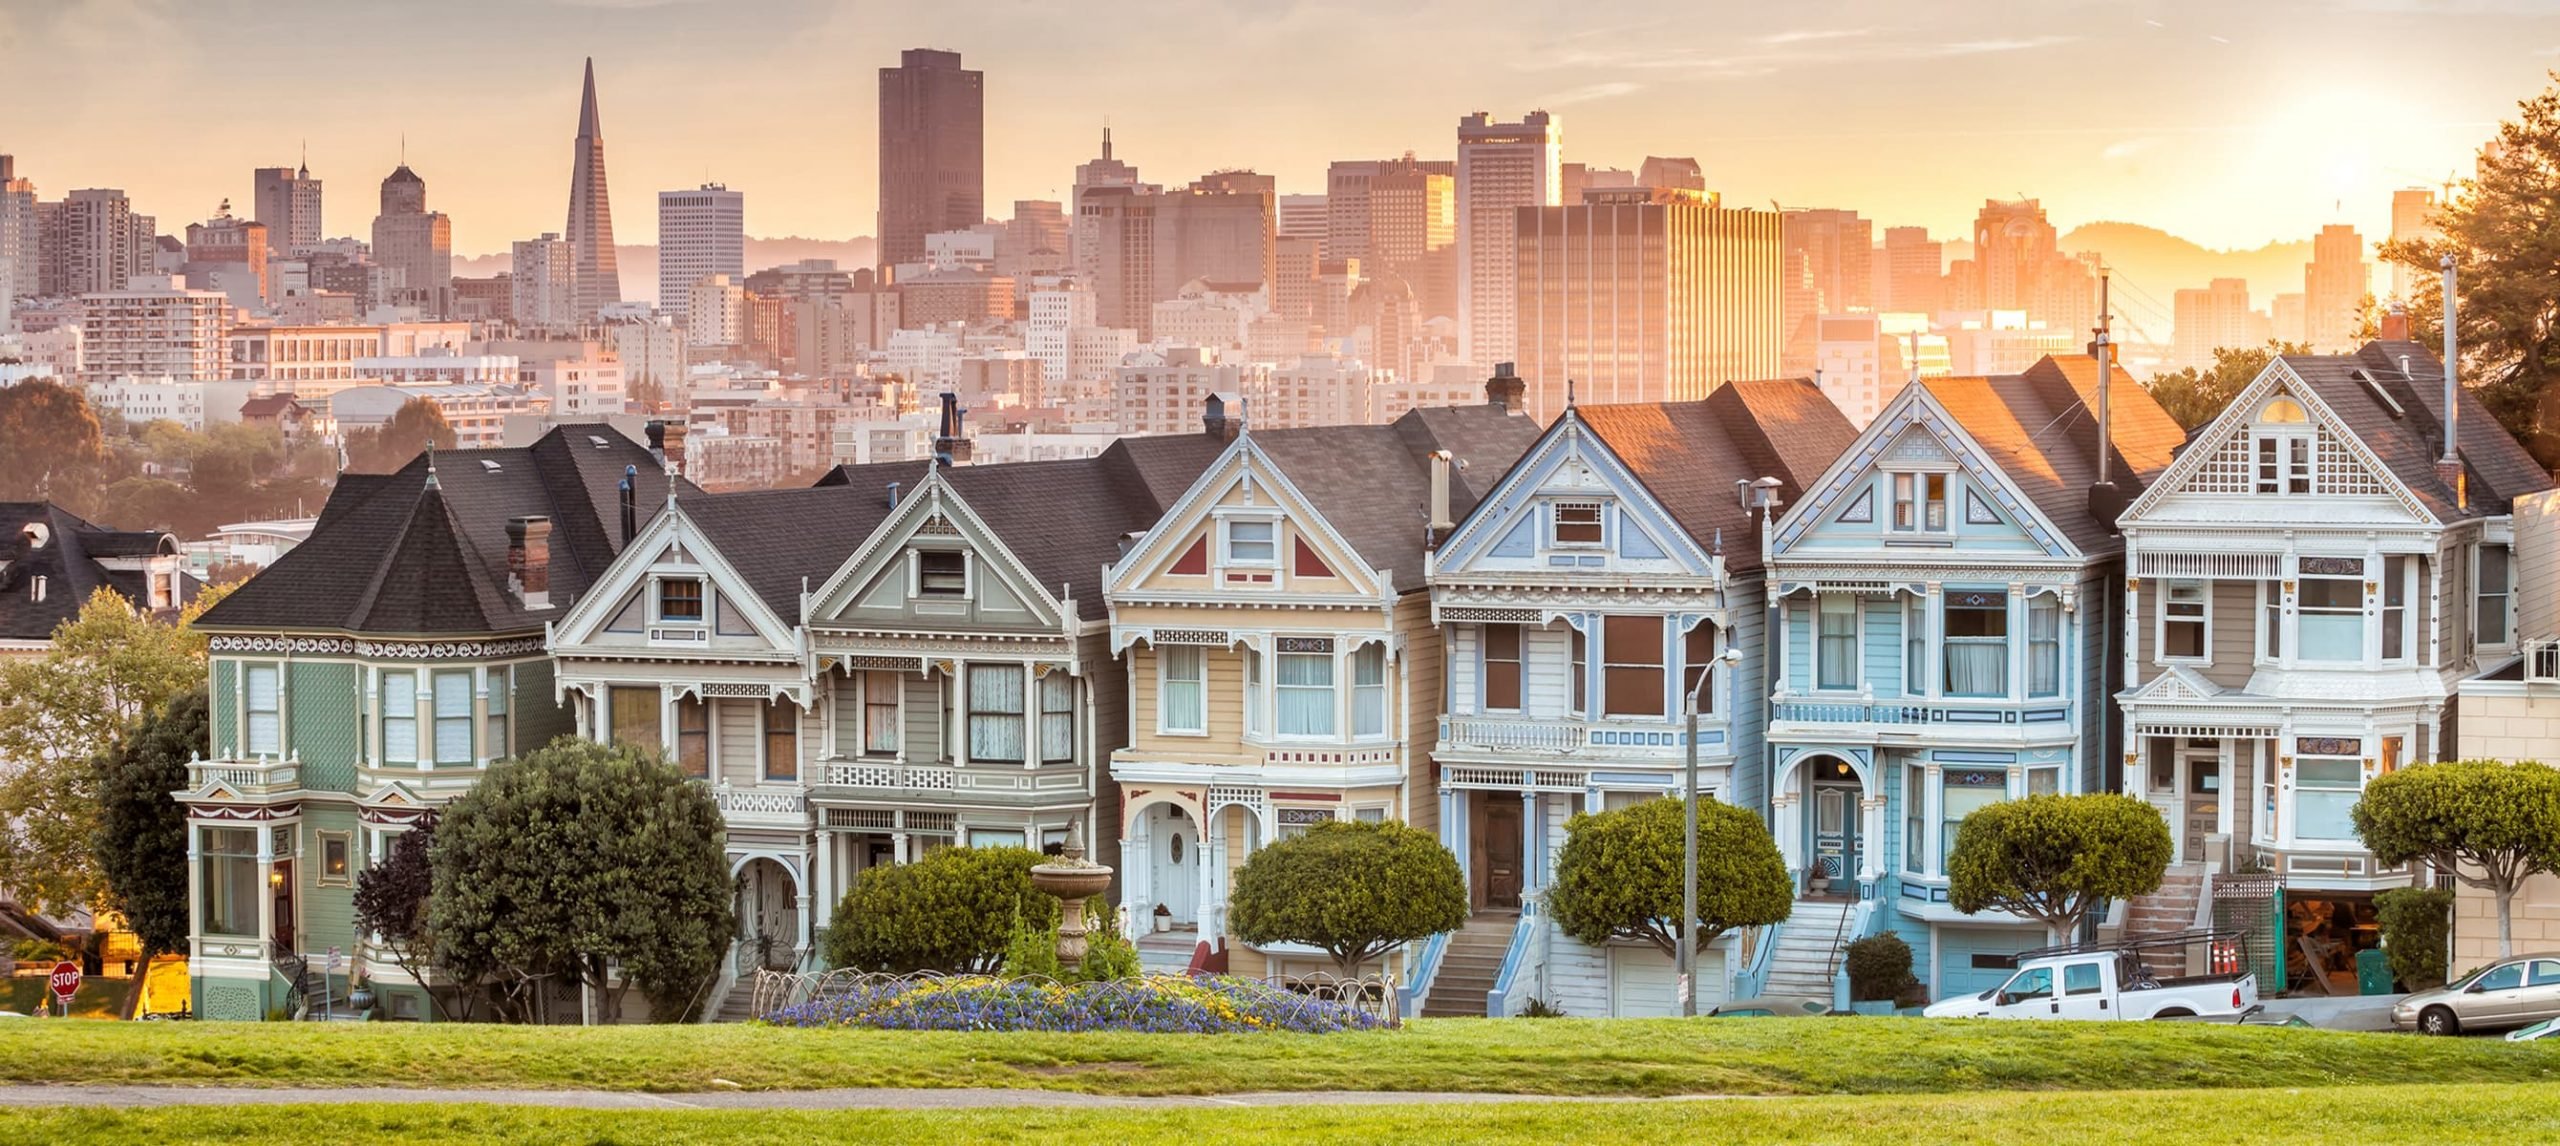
[[1551, 1056], [2361, 1115]]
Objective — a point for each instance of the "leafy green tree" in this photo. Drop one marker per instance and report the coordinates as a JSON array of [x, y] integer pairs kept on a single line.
[[2196, 397], [2054, 858], [410, 430], [56, 448], [2492, 825], [2502, 228], [142, 829], [1352, 890], [573, 858], [146, 503], [60, 713], [954, 910], [1618, 876], [2413, 933], [391, 902]]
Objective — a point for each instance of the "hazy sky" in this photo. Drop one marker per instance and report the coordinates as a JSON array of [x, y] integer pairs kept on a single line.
[[2232, 123]]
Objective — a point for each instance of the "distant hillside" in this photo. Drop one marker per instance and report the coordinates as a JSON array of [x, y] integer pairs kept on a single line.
[[639, 263], [2157, 264]]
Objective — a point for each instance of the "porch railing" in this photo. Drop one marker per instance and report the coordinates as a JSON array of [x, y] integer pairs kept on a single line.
[[1522, 963], [2542, 660], [1420, 972], [1512, 735], [761, 801], [1923, 712]]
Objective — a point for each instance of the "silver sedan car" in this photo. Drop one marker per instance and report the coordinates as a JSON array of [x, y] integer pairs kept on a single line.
[[2508, 993]]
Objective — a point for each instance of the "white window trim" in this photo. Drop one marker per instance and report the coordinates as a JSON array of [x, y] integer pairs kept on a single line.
[[248, 747], [968, 574], [1339, 686], [2160, 627], [658, 601], [1385, 688], [1484, 676], [1919, 502], [1555, 519], [2290, 795], [1858, 644], [1226, 551], [2507, 596], [1163, 664]]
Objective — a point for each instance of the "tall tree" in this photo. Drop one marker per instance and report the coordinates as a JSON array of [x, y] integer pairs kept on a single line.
[[2502, 228], [574, 858], [142, 829], [2195, 397], [1618, 876], [59, 713], [1351, 890], [410, 430], [2053, 859], [2490, 825], [56, 449]]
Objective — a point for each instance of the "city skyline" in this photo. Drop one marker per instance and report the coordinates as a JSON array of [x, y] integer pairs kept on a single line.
[[2228, 131]]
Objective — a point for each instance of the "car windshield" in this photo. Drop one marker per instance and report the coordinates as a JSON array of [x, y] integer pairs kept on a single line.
[[2465, 982]]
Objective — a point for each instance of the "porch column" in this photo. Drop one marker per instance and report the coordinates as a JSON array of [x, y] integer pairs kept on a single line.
[[824, 860], [808, 907], [1529, 863], [1782, 809], [266, 890], [898, 846], [1210, 853], [1871, 825]]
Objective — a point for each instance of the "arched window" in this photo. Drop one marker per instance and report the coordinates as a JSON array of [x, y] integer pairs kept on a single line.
[[2283, 448]]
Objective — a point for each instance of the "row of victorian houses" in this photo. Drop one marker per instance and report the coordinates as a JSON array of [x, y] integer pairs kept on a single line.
[[1193, 645]]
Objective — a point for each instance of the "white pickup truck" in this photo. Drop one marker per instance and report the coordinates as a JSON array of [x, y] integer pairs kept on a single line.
[[2103, 984]]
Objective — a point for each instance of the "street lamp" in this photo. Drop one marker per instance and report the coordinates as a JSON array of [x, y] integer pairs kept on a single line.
[[1689, 845]]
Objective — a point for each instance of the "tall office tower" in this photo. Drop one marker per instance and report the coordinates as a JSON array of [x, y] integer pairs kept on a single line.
[[229, 254], [2018, 264], [1502, 167], [543, 283], [414, 244], [1643, 294], [1140, 249], [932, 151], [2413, 220], [288, 202], [1346, 206], [1293, 278], [701, 232], [1084, 252], [1678, 172], [1914, 267], [101, 242], [1830, 269], [1302, 217], [2213, 318], [21, 234], [1409, 229], [1035, 241], [590, 226], [2287, 321], [2334, 287]]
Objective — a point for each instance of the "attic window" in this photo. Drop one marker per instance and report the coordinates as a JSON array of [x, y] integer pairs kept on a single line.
[[680, 599], [942, 573], [1577, 523]]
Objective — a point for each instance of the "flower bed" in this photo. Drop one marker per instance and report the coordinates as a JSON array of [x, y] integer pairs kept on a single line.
[[1160, 1004]]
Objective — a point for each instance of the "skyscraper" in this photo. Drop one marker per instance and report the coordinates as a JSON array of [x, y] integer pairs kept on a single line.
[[544, 282], [702, 232], [21, 236], [590, 226], [2413, 219], [2334, 287], [414, 244], [288, 203], [1141, 248], [97, 243], [2018, 264], [1911, 280], [932, 151], [1644, 294], [1502, 167], [2215, 317]]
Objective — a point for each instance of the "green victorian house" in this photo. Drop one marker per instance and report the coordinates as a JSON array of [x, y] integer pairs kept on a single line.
[[372, 674]]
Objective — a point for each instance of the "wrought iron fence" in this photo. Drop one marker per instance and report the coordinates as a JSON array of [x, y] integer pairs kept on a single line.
[[1313, 1002]]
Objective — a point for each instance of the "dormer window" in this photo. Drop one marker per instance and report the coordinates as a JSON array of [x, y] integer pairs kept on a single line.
[[942, 573], [1920, 503], [2282, 448], [1577, 523], [1253, 541], [680, 599]]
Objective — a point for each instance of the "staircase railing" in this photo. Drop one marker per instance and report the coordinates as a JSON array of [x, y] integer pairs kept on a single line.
[[1522, 963], [1751, 980], [1854, 924], [1424, 967], [294, 968]]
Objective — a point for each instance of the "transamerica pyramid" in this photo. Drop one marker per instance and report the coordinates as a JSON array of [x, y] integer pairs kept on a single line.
[[591, 212]]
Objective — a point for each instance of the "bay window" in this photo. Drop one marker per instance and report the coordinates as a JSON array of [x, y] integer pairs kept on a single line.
[[1835, 646], [1961, 793], [2395, 608], [453, 717], [2184, 613], [1581, 673], [1915, 646], [781, 740], [1255, 722], [2495, 589], [1369, 691], [233, 892], [2325, 791], [400, 717], [995, 714], [2044, 645], [880, 690], [1302, 687], [2329, 610], [1501, 668], [264, 702], [2271, 622], [2044, 781], [1977, 643], [1182, 695], [1915, 844], [693, 736], [1631, 670], [1057, 718]]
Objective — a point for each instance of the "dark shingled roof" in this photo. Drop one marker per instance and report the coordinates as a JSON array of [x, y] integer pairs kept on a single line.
[[1373, 483], [2410, 441], [1690, 454], [2040, 429], [393, 555], [72, 563]]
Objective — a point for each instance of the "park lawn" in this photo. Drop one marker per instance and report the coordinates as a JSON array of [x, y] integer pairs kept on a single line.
[[1576, 1057], [2362, 1115]]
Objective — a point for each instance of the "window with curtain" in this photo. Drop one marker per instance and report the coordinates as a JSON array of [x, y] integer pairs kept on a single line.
[[1581, 673], [1369, 691], [693, 736], [1977, 643], [2183, 614], [1835, 646], [781, 740], [264, 701], [502, 682], [1914, 806], [995, 714], [1057, 717], [1960, 793], [1182, 702], [1303, 693], [453, 717], [1631, 670], [2329, 618], [2044, 645], [2271, 621], [1502, 668], [1255, 723], [1920, 503], [233, 893], [1697, 661], [400, 717], [2494, 591], [880, 690], [2395, 608], [2325, 790], [634, 717], [1915, 646]]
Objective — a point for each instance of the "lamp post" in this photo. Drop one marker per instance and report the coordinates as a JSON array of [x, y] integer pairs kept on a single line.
[[1689, 846]]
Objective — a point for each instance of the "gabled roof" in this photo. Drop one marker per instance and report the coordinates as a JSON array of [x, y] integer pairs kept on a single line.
[[70, 561], [392, 555], [1372, 484], [2408, 441], [1690, 454], [2040, 430]]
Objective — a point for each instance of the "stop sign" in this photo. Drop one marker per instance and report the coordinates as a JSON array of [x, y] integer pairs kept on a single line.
[[65, 979]]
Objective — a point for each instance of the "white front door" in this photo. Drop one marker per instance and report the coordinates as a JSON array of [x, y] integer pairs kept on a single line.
[[1173, 872]]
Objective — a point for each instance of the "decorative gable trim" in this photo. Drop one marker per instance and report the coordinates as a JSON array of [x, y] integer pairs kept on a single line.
[[670, 537], [1573, 460], [1914, 411], [2231, 456], [937, 510], [1196, 512]]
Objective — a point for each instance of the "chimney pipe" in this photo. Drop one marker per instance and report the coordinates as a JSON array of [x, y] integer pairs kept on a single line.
[[893, 494], [1213, 417], [529, 560], [950, 445], [2449, 467], [1441, 518], [1505, 391], [630, 511], [2106, 502], [657, 433]]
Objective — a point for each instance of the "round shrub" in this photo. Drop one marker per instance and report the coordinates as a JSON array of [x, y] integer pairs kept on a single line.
[[1879, 969], [2413, 933], [954, 910]]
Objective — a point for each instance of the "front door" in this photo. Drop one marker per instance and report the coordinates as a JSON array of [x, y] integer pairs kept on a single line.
[[1173, 872], [1835, 836], [282, 884], [2199, 801], [1502, 850]]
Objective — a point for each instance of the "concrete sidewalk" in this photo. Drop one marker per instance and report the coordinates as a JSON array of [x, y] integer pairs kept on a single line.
[[884, 1098]]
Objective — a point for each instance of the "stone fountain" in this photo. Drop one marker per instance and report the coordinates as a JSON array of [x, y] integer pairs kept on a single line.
[[1072, 880]]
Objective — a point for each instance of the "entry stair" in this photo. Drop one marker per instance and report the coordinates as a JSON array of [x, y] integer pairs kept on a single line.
[[1470, 966], [1810, 943], [2170, 910]]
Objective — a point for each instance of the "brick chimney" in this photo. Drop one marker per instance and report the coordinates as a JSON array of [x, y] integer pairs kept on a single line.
[[2395, 324], [1505, 391], [675, 445], [950, 444], [529, 560], [1218, 421]]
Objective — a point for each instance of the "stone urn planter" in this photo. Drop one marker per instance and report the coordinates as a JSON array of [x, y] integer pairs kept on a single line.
[[1072, 880]]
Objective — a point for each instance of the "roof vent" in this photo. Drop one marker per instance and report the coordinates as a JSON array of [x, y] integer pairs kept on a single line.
[[37, 534], [488, 466], [599, 442], [2373, 386]]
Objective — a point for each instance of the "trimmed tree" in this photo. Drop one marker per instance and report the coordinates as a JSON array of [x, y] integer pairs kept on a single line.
[[391, 902], [142, 829], [1619, 874], [576, 857], [1353, 890], [2053, 858], [955, 910], [2492, 825]]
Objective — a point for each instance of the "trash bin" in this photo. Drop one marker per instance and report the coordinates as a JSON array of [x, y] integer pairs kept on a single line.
[[2373, 972]]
